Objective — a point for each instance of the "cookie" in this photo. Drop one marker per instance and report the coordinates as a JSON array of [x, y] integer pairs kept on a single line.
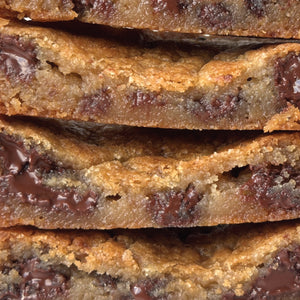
[[242, 262], [49, 73], [264, 18], [59, 174]]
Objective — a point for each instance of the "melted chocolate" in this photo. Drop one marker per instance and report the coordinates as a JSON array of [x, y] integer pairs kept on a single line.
[[41, 283], [217, 108], [170, 5], [22, 179], [17, 59], [93, 105], [269, 186], [105, 280], [173, 208], [287, 78], [99, 7], [282, 278], [257, 7], [146, 289], [141, 99], [215, 15]]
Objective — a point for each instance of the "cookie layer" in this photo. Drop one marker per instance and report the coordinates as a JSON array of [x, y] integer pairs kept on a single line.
[[263, 18], [59, 174], [243, 262]]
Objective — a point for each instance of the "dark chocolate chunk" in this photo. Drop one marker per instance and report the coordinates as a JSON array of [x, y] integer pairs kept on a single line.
[[105, 280], [257, 7], [93, 105], [287, 78], [274, 187], [217, 108], [98, 7], [170, 5], [174, 208], [215, 15], [42, 283], [22, 178], [280, 281], [148, 289], [17, 59], [140, 98]]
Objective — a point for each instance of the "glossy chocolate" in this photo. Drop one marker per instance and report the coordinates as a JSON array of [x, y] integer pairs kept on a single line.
[[274, 187], [23, 170], [93, 105], [287, 78], [169, 5], [174, 208], [17, 59], [280, 281], [41, 283]]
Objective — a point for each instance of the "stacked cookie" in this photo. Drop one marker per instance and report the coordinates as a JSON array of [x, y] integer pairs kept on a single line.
[[73, 158]]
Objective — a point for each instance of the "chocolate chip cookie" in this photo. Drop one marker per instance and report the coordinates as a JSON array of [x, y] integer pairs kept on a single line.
[[243, 262], [60, 174], [264, 18]]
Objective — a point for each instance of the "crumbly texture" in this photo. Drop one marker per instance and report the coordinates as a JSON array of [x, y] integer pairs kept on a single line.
[[264, 18], [231, 263], [54, 74], [82, 175]]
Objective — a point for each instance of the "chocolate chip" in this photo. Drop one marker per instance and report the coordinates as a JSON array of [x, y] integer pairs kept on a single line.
[[273, 187], [93, 105], [98, 7], [287, 78], [257, 7], [148, 289], [280, 281], [216, 108], [17, 59], [174, 208], [140, 98], [42, 283], [105, 280], [162, 5], [22, 179], [215, 15]]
